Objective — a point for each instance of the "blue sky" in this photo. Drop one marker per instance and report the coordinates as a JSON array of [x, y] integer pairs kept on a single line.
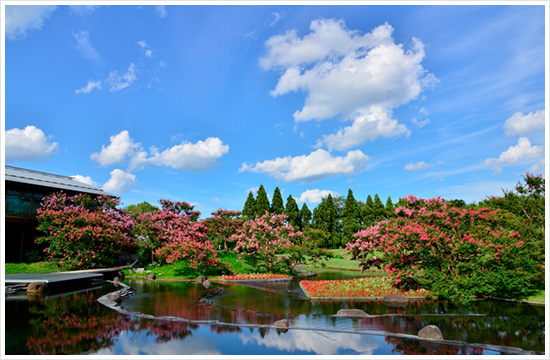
[[205, 103]]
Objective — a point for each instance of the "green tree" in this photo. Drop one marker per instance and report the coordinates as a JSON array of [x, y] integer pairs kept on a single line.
[[305, 217], [379, 211], [249, 209], [277, 206], [262, 202], [368, 212], [390, 209], [143, 207], [351, 218], [325, 217], [293, 213]]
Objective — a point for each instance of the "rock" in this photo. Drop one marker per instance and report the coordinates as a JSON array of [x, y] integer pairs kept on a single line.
[[430, 332], [116, 280], [283, 323], [151, 277], [120, 275], [206, 284], [37, 287], [396, 300], [139, 270], [114, 297], [351, 313], [201, 279]]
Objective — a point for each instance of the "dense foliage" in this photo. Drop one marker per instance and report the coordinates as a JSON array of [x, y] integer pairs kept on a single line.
[[456, 252], [82, 232]]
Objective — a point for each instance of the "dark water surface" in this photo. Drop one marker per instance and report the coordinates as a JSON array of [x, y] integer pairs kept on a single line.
[[228, 319]]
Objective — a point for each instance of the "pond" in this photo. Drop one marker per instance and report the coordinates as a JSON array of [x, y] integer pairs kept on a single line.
[[228, 319]]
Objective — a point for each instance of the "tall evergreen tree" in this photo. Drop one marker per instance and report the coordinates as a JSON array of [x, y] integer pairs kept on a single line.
[[249, 209], [378, 209], [390, 209], [262, 202], [351, 218], [293, 212], [368, 212], [325, 217], [305, 217], [277, 206]]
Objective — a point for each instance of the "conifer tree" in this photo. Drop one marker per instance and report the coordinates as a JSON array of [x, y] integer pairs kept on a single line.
[[305, 217], [293, 212], [351, 218], [378, 209], [262, 202], [325, 217], [368, 212], [249, 209], [277, 206], [390, 210]]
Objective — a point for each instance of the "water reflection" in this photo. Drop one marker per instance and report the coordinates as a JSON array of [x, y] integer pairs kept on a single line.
[[78, 324]]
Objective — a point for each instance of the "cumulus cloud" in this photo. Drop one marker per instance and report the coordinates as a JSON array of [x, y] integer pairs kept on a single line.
[[120, 182], [28, 144], [89, 87], [20, 19], [200, 156], [120, 148], [314, 196], [343, 72], [519, 124], [315, 166], [515, 154], [85, 46], [118, 82], [375, 122], [85, 180]]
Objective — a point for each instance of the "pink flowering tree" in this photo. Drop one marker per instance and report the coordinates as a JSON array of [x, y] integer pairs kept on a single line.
[[82, 232], [269, 243], [221, 226], [456, 252], [173, 234]]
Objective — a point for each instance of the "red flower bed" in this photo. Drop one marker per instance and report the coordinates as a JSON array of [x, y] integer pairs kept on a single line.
[[253, 276], [363, 287]]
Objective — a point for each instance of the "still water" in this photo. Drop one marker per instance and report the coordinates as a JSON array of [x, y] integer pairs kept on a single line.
[[228, 319]]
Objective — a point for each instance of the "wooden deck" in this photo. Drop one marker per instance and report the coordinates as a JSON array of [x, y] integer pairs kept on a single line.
[[64, 278]]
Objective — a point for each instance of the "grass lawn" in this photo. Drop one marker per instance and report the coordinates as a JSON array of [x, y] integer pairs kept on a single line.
[[538, 297], [30, 268], [338, 261], [363, 287]]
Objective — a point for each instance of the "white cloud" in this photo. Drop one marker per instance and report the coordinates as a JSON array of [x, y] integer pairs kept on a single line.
[[85, 47], [120, 182], [89, 87], [161, 11], [519, 124], [22, 18], [522, 151], [83, 10], [315, 166], [85, 180], [120, 148], [374, 123], [118, 82], [28, 144], [420, 123], [277, 16], [314, 196], [201, 156], [421, 165], [346, 73], [145, 48]]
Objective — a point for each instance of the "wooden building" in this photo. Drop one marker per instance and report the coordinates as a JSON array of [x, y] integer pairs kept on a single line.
[[24, 190]]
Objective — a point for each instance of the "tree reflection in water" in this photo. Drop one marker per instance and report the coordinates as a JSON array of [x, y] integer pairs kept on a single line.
[[78, 323]]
